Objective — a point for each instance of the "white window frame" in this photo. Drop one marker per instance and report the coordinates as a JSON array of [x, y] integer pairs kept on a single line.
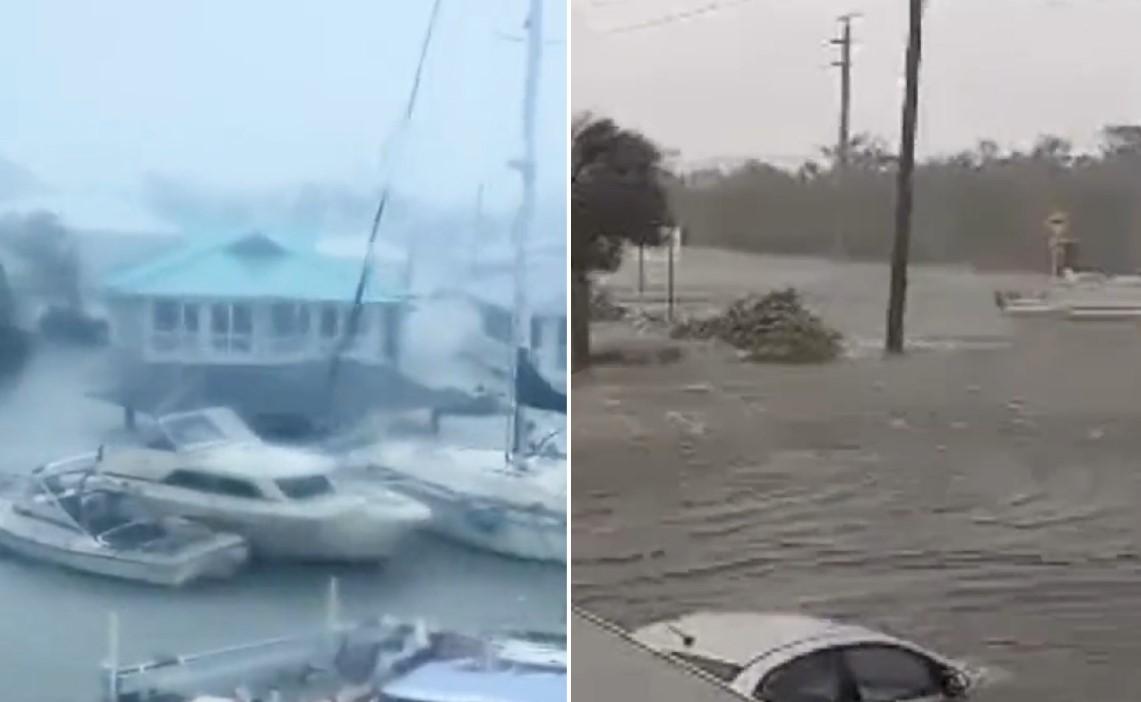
[[228, 341], [180, 338], [297, 339]]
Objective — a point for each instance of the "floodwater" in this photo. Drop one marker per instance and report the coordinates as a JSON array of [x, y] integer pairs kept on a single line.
[[54, 623], [981, 498]]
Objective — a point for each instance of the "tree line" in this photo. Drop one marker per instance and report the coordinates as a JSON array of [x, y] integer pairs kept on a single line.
[[985, 206]]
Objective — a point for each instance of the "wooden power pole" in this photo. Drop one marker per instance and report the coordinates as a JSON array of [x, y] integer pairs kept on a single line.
[[840, 167], [844, 41], [901, 246]]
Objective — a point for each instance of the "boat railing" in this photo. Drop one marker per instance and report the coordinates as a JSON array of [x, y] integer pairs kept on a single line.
[[40, 484]]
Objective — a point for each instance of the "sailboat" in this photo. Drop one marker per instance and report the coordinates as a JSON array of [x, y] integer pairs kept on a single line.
[[513, 501]]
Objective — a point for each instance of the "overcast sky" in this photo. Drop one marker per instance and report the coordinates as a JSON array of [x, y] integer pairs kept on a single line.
[[752, 79], [260, 94]]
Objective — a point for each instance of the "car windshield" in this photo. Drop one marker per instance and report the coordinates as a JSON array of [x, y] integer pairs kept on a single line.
[[306, 487], [725, 672]]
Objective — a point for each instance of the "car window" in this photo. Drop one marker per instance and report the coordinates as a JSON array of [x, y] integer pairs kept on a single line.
[[815, 677], [891, 674], [725, 672]]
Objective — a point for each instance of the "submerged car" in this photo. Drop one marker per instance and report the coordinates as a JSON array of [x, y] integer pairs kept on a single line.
[[797, 658]]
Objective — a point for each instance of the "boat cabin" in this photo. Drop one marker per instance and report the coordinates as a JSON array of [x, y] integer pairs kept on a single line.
[[212, 451]]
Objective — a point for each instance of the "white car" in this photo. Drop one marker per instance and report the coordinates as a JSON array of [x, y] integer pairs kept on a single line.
[[796, 658]]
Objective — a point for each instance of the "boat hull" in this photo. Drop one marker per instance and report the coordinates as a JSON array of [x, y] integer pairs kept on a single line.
[[220, 559], [528, 534], [367, 535]]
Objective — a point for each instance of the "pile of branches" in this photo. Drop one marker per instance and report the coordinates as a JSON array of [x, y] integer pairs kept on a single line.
[[768, 328], [604, 309]]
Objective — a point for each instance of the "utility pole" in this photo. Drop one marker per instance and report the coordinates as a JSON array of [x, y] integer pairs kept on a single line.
[[844, 41], [897, 299], [840, 167]]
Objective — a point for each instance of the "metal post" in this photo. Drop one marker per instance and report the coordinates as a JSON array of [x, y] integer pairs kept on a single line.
[[670, 280], [333, 606], [111, 665], [641, 270], [526, 211]]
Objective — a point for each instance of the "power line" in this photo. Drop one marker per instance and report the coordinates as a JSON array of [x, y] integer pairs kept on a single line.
[[674, 17]]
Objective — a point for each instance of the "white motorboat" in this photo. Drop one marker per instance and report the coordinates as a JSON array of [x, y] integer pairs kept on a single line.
[[62, 515], [207, 464]]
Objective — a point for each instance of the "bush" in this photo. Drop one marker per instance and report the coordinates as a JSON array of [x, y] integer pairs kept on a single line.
[[768, 328]]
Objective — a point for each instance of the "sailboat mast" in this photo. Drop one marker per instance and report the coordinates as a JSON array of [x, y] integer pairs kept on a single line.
[[523, 223]]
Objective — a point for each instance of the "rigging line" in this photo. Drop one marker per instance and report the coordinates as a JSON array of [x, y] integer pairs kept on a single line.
[[673, 17], [354, 314]]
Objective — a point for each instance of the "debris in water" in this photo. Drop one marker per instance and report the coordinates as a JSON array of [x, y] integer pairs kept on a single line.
[[775, 327], [958, 425], [603, 308], [1095, 434], [698, 388], [688, 425], [898, 423]]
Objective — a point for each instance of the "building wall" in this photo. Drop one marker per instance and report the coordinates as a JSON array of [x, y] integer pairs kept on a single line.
[[185, 331], [545, 335]]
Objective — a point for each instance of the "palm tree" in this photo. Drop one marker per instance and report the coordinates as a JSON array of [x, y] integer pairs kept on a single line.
[[617, 198]]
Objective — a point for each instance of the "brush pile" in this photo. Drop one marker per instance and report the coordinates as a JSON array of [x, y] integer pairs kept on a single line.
[[773, 328]]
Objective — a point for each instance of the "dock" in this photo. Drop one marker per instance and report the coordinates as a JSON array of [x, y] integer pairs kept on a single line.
[[609, 665]]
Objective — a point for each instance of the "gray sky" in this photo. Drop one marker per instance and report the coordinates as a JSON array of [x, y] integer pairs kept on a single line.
[[262, 94], [752, 79]]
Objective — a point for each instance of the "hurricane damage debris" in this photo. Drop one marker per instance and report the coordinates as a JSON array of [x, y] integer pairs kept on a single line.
[[775, 327], [603, 308]]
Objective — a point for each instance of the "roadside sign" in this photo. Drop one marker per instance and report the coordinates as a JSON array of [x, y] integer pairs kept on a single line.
[[1058, 223]]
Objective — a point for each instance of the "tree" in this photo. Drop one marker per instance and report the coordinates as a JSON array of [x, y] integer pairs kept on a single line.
[[902, 243], [617, 198]]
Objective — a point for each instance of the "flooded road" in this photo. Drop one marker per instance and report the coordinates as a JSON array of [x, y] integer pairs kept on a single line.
[[53, 623], [981, 500]]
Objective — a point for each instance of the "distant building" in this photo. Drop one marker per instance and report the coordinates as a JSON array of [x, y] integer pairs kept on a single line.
[[253, 321], [490, 288]]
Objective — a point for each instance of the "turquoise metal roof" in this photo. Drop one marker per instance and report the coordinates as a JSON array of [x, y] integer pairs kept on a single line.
[[249, 266]]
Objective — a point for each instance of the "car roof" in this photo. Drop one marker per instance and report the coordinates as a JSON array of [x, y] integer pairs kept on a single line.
[[743, 637]]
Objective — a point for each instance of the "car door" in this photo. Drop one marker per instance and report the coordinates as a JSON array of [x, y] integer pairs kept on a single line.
[[819, 676], [889, 673]]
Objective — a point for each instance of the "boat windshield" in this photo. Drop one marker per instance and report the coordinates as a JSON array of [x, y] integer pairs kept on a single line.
[[305, 487], [207, 427]]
